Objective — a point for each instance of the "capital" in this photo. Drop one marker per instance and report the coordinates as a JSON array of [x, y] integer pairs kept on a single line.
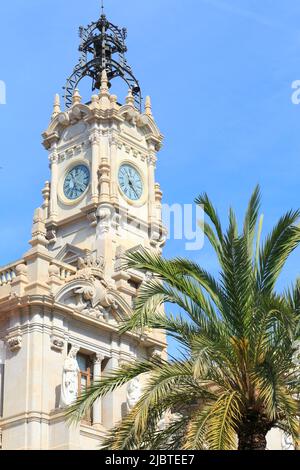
[[99, 358], [53, 158], [94, 138], [151, 160]]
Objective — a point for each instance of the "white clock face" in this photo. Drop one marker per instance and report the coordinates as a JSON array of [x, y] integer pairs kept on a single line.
[[76, 182], [130, 182]]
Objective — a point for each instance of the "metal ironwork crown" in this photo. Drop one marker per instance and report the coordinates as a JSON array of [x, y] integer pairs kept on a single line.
[[102, 48]]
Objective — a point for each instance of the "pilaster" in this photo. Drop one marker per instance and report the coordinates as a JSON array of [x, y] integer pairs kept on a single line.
[[94, 140], [53, 158], [97, 407]]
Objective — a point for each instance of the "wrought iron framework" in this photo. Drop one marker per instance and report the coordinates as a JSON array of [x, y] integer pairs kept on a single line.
[[102, 48]]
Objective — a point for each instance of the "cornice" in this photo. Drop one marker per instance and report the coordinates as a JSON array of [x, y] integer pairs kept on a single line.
[[93, 113], [49, 302]]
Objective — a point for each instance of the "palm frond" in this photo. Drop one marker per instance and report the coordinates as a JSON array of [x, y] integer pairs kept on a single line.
[[210, 211], [284, 238]]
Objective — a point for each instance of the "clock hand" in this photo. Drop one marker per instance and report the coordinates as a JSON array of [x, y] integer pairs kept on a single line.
[[80, 186], [133, 188]]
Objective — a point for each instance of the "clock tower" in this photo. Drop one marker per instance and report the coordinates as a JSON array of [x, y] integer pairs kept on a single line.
[[63, 301]]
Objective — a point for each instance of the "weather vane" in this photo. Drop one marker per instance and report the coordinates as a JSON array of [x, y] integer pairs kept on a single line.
[[102, 47]]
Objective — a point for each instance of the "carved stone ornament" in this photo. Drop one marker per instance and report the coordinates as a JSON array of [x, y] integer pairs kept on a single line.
[[92, 218], [91, 262], [69, 387], [134, 392], [91, 268], [14, 343], [90, 297], [57, 343], [51, 234]]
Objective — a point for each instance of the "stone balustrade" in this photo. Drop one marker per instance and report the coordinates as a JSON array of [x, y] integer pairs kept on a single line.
[[64, 271], [8, 273]]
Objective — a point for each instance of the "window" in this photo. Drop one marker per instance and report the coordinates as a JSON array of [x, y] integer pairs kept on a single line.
[[85, 378]]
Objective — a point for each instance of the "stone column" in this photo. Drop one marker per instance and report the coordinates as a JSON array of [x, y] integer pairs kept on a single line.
[[97, 411], [94, 139], [151, 184], [104, 181], [104, 169], [113, 163], [158, 200], [111, 402], [54, 181]]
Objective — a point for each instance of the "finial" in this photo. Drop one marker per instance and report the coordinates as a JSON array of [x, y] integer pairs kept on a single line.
[[148, 106], [76, 97], [56, 106], [102, 7], [130, 98], [114, 101], [104, 82], [104, 93]]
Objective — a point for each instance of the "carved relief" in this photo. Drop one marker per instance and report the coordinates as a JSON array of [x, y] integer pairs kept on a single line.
[[14, 343], [91, 298], [91, 262], [57, 343], [69, 388], [92, 218], [51, 234], [134, 393], [90, 267]]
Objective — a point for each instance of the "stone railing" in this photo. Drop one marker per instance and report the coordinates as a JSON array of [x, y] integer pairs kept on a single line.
[[65, 270], [8, 273]]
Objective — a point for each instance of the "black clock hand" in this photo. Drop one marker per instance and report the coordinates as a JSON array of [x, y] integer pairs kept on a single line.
[[132, 187]]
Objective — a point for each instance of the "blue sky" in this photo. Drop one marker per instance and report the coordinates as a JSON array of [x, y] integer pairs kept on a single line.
[[219, 73]]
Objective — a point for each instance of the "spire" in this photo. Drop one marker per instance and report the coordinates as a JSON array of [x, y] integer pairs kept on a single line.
[[104, 93], [76, 97], [56, 107], [148, 106], [104, 83], [130, 98], [102, 7]]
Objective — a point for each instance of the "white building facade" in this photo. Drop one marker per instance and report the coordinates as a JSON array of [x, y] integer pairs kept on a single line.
[[66, 297]]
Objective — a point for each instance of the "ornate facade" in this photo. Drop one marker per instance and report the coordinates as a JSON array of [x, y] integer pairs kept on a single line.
[[62, 302]]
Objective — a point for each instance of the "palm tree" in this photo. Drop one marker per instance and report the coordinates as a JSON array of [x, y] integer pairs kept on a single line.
[[236, 377]]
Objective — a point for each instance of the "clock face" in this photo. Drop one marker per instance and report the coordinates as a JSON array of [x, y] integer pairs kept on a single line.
[[76, 182], [130, 182]]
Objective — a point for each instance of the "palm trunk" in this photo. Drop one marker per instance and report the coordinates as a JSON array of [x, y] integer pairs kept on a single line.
[[252, 441], [252, 433]]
